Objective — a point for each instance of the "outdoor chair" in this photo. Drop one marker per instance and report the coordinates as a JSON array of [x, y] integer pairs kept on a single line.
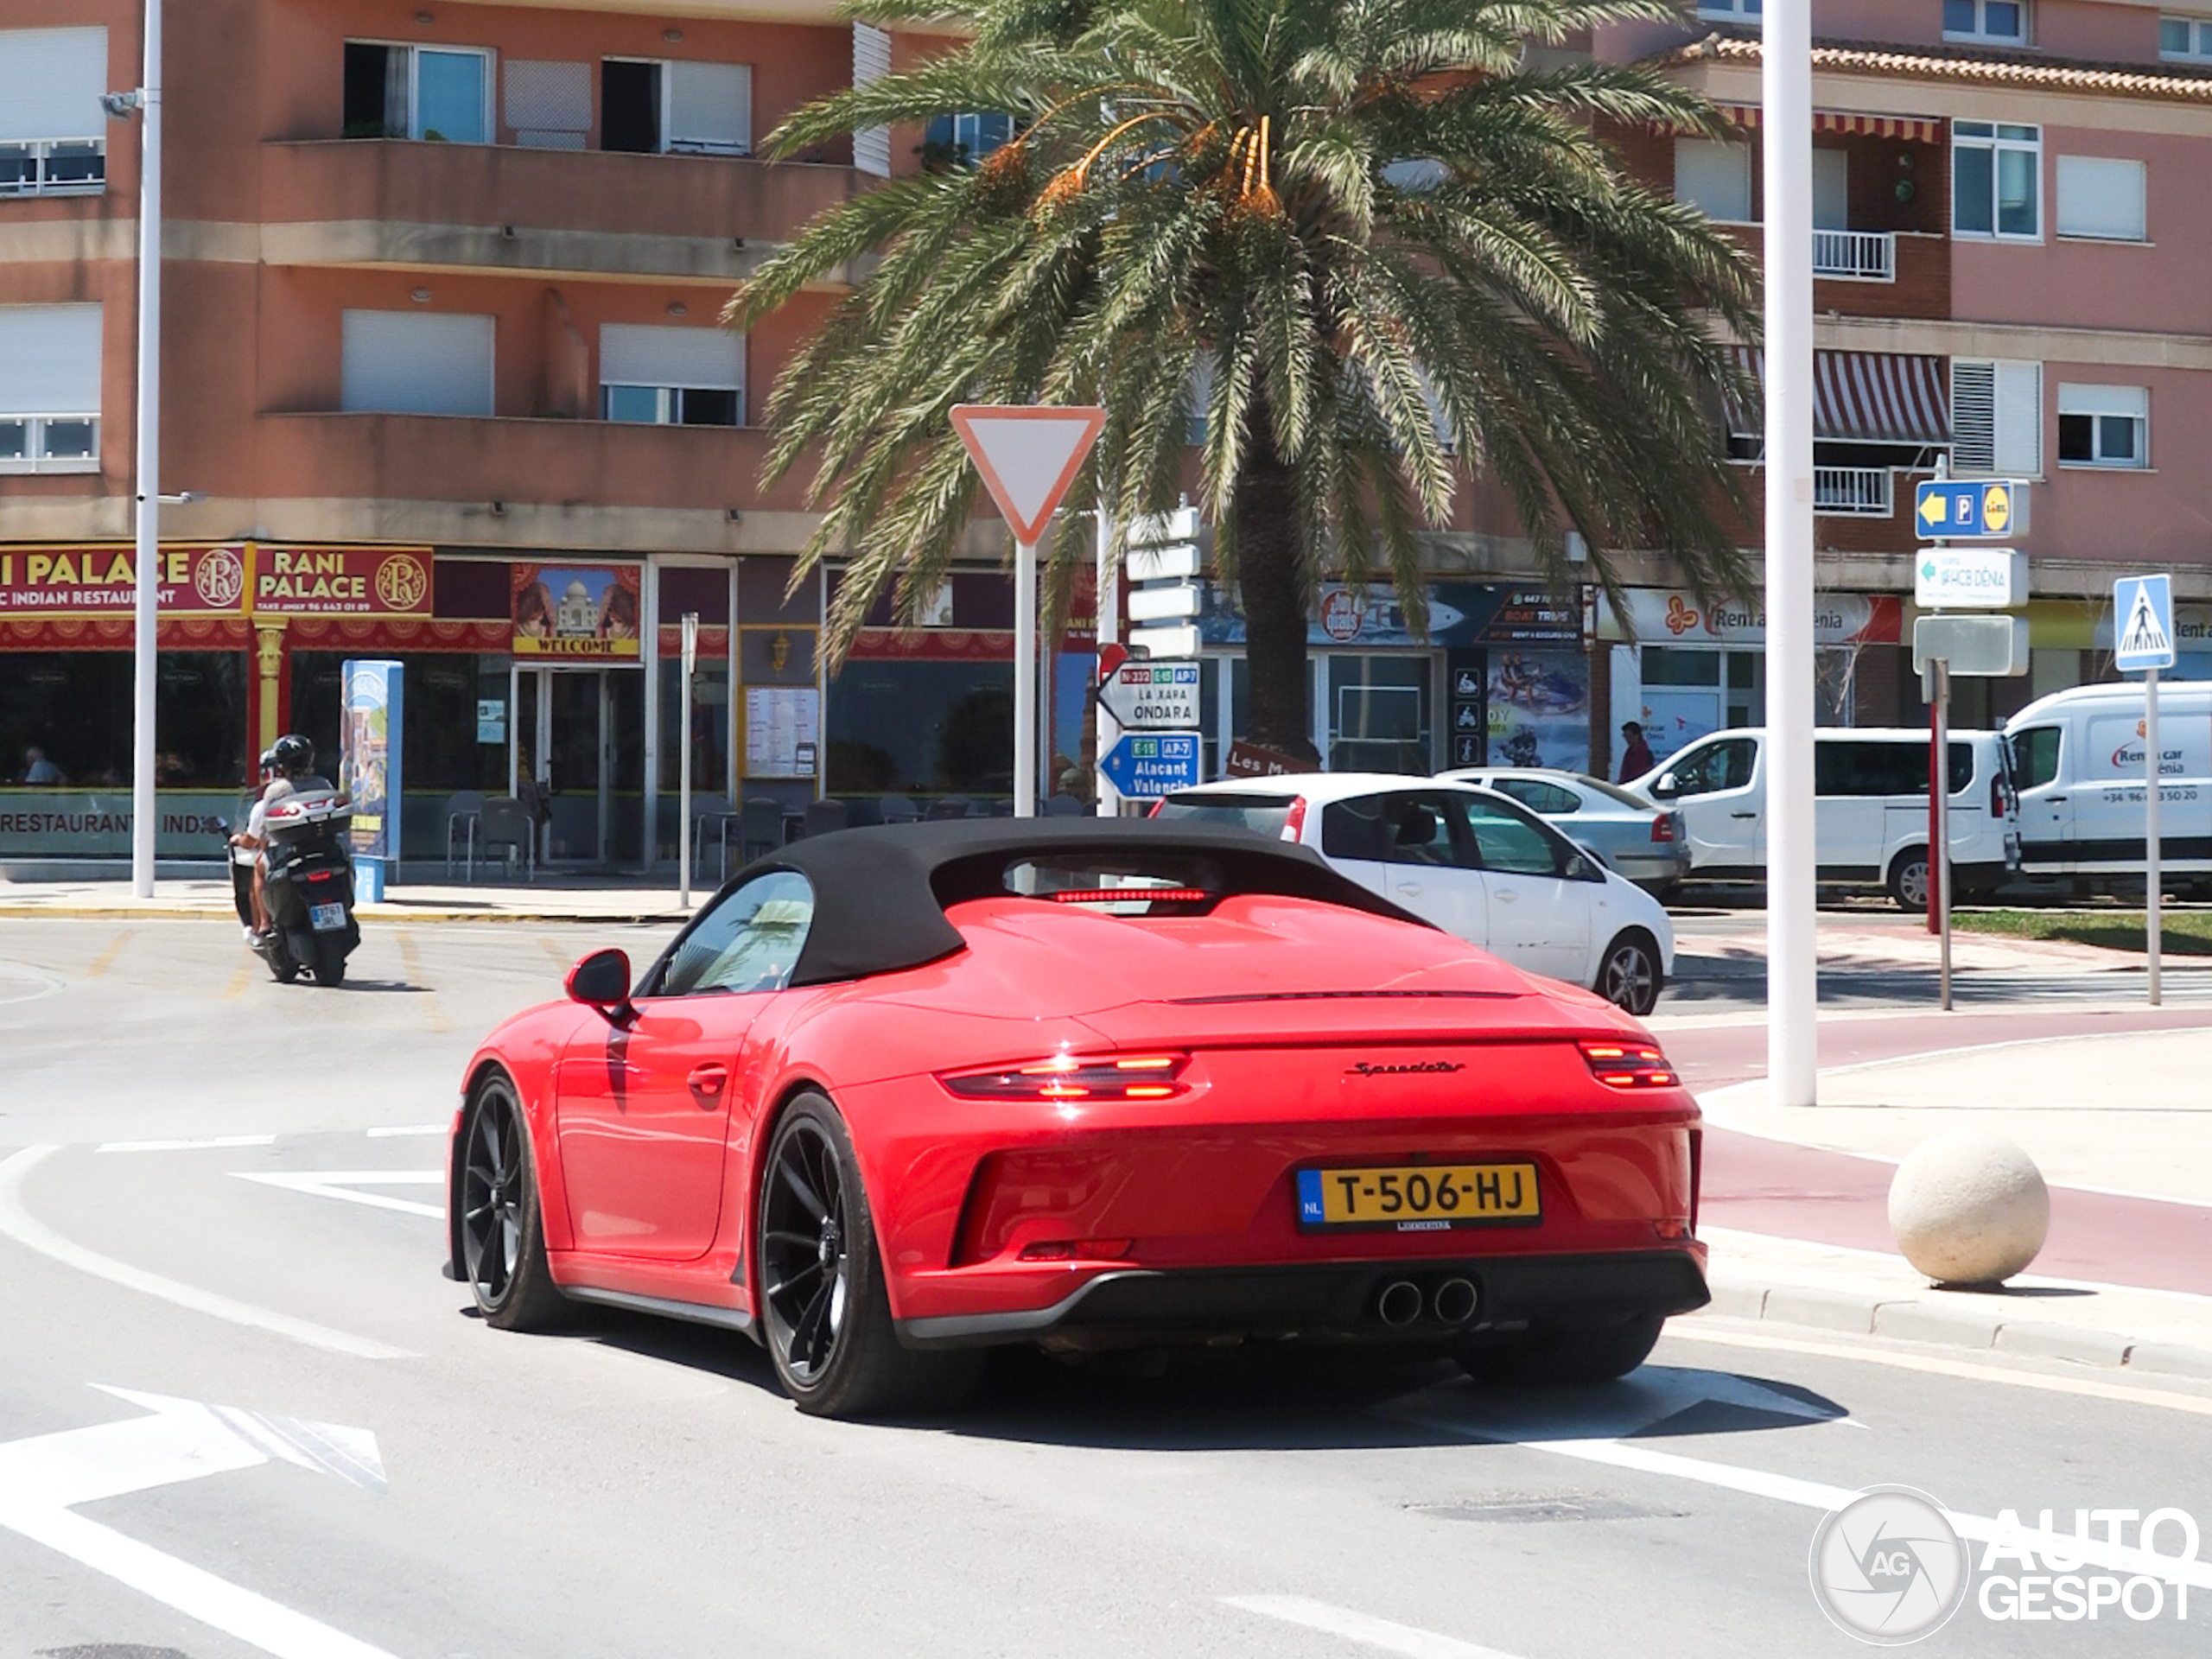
[[824, 817], [711, 826], [759, 829], [899, 809], [1064, 806], [949, 806], [504, 823], [464, 810]]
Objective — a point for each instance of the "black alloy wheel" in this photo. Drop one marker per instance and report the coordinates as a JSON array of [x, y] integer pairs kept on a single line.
[[824, 1313], [1631, 978], [502, 1240]]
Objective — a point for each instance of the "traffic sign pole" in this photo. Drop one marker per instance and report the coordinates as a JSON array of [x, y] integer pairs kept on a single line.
[[2151, 897], [1107, 630], [1939, 827], [1025, 679]]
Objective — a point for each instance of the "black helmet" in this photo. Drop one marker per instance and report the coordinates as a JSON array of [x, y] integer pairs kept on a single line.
[[293, 754]]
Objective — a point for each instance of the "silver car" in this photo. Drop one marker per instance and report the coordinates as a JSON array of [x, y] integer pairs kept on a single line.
[[1642, 842]]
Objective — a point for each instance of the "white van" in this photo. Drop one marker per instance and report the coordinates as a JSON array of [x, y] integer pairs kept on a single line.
[[2077, 762], [1870, 809]]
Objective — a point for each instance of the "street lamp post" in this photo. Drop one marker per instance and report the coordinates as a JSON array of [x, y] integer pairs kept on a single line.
[[1786, 69]]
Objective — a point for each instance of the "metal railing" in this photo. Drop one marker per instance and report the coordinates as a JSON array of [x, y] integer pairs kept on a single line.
[[1855, 255], [53, 167], [1851, 492]]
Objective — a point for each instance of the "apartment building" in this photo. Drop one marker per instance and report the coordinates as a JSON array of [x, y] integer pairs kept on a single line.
[[441, 367], [2011, 209]]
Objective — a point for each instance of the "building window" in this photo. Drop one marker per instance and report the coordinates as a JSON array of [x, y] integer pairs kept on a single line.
[[1714, 178], [2001, 23], [2104, 426], [49, 388], [1996, 179], [52, 142], [1728, 9], [416, 363], [671, 377], [964, 139], [1996, 418], [2102, 197], [653, 107], [2185, 40], [441, 94]]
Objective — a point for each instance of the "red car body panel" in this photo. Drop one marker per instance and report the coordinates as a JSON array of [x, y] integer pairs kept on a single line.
[[1290, 1012]]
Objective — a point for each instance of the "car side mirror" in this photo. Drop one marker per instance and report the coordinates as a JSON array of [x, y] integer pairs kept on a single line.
[[1666, 787], [1585, 866], [601, 981]]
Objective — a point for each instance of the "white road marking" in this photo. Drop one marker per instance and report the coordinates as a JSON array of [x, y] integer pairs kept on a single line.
[[43, 1477], [1363, 1628], [1644, 1459], [2087, 1387], [386, 1132], [344, 1183], [210, 1143], [18, 1223]]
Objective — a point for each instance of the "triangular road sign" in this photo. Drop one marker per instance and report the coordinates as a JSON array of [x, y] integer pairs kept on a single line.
[[1028, 455]]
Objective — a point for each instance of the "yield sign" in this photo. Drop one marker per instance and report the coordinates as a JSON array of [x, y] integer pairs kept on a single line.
[[1028, 455]]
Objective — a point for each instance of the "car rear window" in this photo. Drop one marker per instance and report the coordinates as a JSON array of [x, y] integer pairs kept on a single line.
[[1264, 814]]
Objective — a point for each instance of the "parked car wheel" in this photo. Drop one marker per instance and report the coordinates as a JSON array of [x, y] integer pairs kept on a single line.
[[1631, 978], [1908, 881]]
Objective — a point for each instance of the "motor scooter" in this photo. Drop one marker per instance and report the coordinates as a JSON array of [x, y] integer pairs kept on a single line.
[[308, 889]]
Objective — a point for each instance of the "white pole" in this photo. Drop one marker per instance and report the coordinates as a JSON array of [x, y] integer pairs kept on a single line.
[[1938, 857], [691, 661], [1025, 680], [2151, 881], [649, 660], [1786, 122], [144, 821], [1107, 610]]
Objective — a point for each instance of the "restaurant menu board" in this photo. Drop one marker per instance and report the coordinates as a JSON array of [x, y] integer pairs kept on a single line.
[[781, 722]]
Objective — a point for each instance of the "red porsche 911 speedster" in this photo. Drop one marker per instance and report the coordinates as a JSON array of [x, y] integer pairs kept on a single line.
[[896, 1096]]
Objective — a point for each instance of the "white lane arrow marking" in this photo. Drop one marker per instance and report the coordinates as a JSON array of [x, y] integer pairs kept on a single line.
[[345, 1184], [18, 1223], [43, 1478]]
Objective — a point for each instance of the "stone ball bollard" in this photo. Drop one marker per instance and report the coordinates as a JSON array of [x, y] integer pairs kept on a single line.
[[1968, 1208]]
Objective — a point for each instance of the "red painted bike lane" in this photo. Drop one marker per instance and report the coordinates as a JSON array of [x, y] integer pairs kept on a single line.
[[1759, 1186]]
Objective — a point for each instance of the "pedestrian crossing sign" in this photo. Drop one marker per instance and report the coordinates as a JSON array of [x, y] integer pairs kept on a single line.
[[2143, 623]]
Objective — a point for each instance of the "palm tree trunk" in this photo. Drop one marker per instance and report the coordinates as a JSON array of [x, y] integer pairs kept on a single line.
[[1271, 583]]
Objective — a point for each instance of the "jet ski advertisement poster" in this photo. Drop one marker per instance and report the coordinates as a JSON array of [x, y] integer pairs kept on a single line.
[[370, 766], [1539, 709]]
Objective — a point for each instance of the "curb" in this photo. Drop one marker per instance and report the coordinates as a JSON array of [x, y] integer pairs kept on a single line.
[[1913, 1319], [175, 913]]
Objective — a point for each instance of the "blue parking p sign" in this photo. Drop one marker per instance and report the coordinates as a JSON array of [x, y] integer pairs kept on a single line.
[[2142, 623], [1149, 764]]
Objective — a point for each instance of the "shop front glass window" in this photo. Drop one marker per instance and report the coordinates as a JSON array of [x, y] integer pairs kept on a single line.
[[921, 729], [1379, 713]]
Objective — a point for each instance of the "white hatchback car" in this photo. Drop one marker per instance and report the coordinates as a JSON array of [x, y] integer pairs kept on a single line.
[[1476, 864]]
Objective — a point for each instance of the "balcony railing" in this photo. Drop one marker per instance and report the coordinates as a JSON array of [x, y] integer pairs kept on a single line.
[[1855, 255], [1851, 492], [53, 167]]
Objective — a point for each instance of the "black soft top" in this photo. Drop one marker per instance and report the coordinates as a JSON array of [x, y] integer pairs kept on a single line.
[[881, 893]]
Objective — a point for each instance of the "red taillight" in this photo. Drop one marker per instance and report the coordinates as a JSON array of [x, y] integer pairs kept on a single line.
[[1128, 895], [1662, 827], [1079, 1249], [322, 875], [1156, 805], [1629, 1065], [1996, 795], [1068, 1076], [1293, 822]]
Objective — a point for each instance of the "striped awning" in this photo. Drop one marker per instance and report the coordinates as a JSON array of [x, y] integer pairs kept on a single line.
[[1920, 129], [1867, 397]]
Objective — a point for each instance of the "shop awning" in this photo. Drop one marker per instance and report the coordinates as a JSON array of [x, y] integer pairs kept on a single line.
[[1866, 398], [1919, 129]]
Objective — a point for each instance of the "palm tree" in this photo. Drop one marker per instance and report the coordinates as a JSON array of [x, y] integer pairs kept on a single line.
[[1377, 247]]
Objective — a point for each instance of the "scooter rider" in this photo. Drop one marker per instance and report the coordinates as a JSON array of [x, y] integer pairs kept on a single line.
[[289, 765], [273, 786]]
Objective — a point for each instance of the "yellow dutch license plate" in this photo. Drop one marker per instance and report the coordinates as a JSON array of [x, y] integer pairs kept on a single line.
[[1419, 1198]]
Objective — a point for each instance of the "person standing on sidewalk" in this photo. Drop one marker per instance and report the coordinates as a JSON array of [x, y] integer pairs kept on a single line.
[[1637, 757]]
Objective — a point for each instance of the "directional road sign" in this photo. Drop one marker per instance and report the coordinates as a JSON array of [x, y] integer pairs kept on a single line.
[[1168, 640], [1973, 508], [1982, 647], [1153, 696], [1153, 765], [1028, 455], [1970, 578], [2143, 623]]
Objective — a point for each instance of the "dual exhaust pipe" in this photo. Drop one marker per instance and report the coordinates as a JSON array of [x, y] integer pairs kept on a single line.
[[1403, 1302]]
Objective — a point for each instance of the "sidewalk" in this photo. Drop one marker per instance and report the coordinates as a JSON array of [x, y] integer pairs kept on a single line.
[[550, 898], [2120, 1124]]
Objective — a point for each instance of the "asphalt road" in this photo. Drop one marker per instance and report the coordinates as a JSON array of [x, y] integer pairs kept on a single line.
[[219, 1192]]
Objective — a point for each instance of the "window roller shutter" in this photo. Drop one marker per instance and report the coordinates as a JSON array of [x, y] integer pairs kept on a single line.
[[710, 107], [50, 83], [1974, 416], [416, 363], [2019, 418], [49, 360], [871, 61], [632, 354]]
